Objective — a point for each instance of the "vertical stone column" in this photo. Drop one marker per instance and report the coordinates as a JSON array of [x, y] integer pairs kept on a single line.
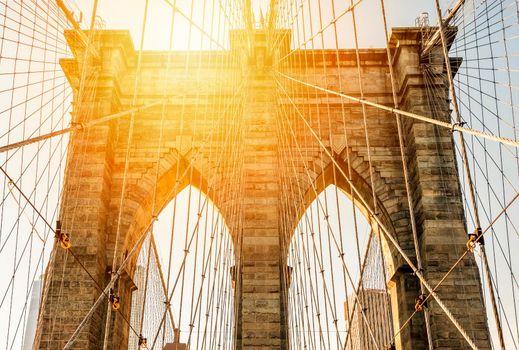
[[71, 291], [438, 203], [260, 314]]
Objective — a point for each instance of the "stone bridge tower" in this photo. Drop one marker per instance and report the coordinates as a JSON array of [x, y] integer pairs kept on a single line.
[[92, 191]]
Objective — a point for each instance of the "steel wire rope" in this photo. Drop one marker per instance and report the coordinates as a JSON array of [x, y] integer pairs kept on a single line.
[[187, 228], [366, 133], [129, 141], [321, 30], [317, 112], [205, 113], [224, 190], [86, 78], [438, 111], [23, 122], [182, 268], [17, 231], [431, 291], [153, 213], [348, 161], [28, 278], [22, 5], [49, 270], [174, 190], [212, 225], [212, 187], [446, 125], [191, 323], [138, 242], [487, 154], [53, 230], [307, 223], [320, 205], [223, 200], [503, 199], [33, 192], [83, 126], [326, 213], [195, 25], [468, 175], [163, 112], [388, 235], [403, 155], [293, 18], [294, 316], [330, 140], [314, 300], [163, 284], [205, 264], [299, 287]]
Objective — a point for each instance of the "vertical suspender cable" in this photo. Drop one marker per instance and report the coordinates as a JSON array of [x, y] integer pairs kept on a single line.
[[405, 162], [126, 166], [466, 167]]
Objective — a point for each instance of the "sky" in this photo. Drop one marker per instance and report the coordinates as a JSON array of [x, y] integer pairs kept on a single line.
[[124, 14], [157, 38]]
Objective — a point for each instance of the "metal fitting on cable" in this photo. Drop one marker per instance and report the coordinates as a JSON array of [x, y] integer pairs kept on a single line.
[[114, 300], [420, 302], [78, 125], [420, 271], [143, 342], [457, 124], [374, 215], [474, 238], [63, 238], [390, 347]]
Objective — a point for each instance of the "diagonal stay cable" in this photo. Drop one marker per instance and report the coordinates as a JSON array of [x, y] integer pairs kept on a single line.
[[194, 24], [330, 232], [386, 232], [454, 127], [134, 249], [82, 126], [189, 243], [489, 227], [104, 293]]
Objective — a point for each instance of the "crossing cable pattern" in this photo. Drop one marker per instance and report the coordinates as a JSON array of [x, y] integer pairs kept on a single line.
[[206, 241], [307, 259], [292, 74], [219, 278], [35, 99], [224, 307], [337, 246], [485, 84]]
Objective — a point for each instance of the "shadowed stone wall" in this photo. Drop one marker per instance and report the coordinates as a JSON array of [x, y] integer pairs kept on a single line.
[[95, 170]]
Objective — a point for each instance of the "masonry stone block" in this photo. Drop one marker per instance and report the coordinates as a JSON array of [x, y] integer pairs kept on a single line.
[[94, 182]]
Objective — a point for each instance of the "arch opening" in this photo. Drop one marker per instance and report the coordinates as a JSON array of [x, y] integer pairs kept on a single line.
[[187, 261], [338, 277]]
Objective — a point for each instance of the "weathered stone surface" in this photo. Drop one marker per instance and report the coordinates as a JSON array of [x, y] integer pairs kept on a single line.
[[94, 182]]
